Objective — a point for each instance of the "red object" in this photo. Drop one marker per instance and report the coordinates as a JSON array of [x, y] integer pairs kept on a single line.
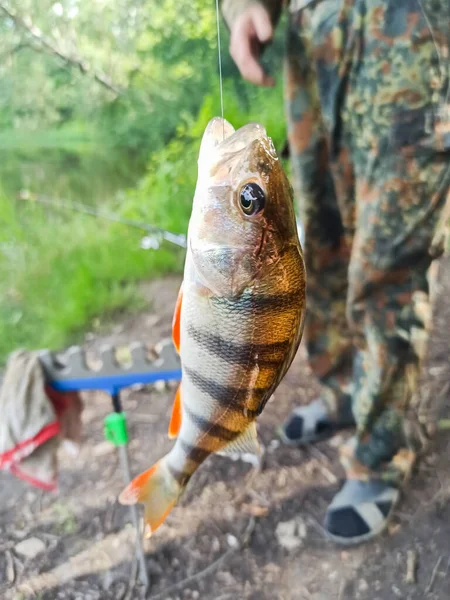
[[68, 407]]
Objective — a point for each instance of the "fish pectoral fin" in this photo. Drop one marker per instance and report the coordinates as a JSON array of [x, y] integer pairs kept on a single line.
[[176, 320], [175, 419], [246, 443]]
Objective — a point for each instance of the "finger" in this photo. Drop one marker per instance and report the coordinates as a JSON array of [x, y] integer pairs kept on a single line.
[[262, 24], [248, 65]]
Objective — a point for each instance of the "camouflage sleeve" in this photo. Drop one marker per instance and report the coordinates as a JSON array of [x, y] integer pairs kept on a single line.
[[232, 9]]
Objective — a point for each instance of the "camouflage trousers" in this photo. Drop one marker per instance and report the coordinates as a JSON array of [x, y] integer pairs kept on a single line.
[[367, 96]]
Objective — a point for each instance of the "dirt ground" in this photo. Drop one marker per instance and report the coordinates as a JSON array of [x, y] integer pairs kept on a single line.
[[239, 532]]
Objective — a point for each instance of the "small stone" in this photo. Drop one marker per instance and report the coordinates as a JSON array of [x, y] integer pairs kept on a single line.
[[282, 479], [411, 566], [246, 457], [229, 512], [70, 448], [273, 445], [363, 586], [152, 320], [431, 459], [195, 595], [301, 528], [271, 572], [30, 497], [159, 385], [255, 510], [287, 535], [10, 570], [30, 547], [225, 578], [393, 528], [103, 448], [232, 541], [215, 545], [336, 441]]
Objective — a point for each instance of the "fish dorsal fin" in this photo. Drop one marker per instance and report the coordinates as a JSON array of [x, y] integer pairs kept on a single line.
[[175, 419], [247, 442], [176, 320]]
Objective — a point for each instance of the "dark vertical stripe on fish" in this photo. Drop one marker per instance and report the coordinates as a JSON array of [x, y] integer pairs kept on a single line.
[[264, 355], [225, 395], [194, 453], [180, 476], [212, 429], [263, 304]]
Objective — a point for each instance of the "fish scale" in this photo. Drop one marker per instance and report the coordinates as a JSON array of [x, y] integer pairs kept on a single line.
[[239, 316]]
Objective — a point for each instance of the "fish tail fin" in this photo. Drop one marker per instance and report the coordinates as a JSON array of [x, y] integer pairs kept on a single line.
[[158, 490]]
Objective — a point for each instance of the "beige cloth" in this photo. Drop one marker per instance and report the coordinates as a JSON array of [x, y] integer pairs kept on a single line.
[[33, 420]]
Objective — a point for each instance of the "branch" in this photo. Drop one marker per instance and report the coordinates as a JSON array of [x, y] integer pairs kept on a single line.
[[72, 61], [13, 50], [210, 568]]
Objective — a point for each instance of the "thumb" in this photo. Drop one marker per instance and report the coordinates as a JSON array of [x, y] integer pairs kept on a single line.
[[262, 24]]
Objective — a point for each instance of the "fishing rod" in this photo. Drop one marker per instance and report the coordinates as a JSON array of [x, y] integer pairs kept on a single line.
[[178, 239]]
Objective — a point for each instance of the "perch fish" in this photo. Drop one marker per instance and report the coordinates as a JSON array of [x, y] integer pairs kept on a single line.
[[239, 316]]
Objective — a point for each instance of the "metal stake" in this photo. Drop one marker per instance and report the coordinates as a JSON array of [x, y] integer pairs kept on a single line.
[[116, 432]]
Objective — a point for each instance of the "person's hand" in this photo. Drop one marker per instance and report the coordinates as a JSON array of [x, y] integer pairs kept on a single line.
[[250, 31]]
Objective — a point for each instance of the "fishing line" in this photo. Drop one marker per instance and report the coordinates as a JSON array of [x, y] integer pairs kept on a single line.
[[173, 238], [220, 65]]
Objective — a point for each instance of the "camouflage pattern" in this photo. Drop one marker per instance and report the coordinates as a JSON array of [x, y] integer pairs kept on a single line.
[[367, 95]]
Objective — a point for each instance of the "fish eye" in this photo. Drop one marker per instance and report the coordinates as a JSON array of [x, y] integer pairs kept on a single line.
[[252, 199]]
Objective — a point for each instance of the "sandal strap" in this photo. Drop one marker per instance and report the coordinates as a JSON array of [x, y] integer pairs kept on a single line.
[[312, 413], [355, 492]]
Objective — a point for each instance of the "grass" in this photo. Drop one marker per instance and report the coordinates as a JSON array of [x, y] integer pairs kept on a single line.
[[62, 273]]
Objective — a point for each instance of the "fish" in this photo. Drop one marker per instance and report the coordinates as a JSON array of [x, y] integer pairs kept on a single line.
[[239, 315]]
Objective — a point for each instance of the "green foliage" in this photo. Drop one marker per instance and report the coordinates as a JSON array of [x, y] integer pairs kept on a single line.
[[59, 276], [164, 195], [127, 146]]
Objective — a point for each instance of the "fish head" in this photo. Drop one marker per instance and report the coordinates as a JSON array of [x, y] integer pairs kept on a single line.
[[242, 215]]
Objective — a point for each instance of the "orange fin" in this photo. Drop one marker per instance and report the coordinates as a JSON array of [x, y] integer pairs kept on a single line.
[[175, 420], [157, 490], [176, 320], [137, 489]]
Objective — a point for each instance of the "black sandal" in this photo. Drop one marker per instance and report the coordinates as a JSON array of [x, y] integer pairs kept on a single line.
[[360, 511]]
